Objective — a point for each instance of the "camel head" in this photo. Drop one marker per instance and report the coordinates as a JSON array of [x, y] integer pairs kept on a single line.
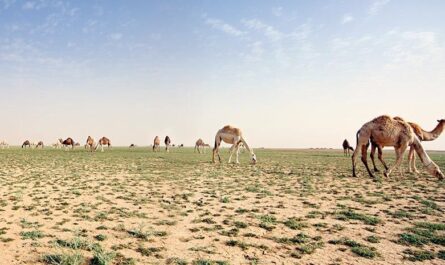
[[434, 170], [441, 121]]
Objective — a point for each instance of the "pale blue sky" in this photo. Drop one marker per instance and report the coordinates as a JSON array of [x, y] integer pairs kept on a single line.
[[289, 73]]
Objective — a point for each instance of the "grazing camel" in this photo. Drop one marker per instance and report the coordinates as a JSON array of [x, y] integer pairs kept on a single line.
[[69, 141], [4, 144], [420, 133], [90, 143], [157, 144], [167, 142], [231, 135], [26, 144], [200, 145], [347, 147], [387, 131], [103, 141], [132, 145], [40, 144]]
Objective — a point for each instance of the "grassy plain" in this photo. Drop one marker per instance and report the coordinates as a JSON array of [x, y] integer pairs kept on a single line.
[[132, 206]]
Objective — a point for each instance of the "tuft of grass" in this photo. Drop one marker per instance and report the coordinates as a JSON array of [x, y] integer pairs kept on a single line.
[[295, 223], [63, 259], [350, 214], [364, 251], [32, 234], [418, 255], [102, 258]]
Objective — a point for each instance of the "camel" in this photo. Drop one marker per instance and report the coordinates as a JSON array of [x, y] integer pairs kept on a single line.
[[347, 147], [231, 135], [132, 145], [167, 142], [157, 144], [4, 144], [26, 144], [420, 133], [90, 143], [387, 131], [40, 144], [200, 144], [69, 141], [181, 146], [103, 141]]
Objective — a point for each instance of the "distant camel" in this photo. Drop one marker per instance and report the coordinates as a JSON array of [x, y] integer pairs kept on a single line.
[[387, 131], [157, 144], [4, 144], [181, 146], [26, 144], [40, 144], [90, 143], [69, 141], [233, 136], [347, 147], [167, 142], [132, 145], [103, 141], [420, 133], [200, 145]]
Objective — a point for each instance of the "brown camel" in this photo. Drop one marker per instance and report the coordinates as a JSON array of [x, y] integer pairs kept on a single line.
[[167, 142], [231, 135], [40, 144], [347, 147], [386, 131], [132, 145], [420, 133], [26, 144], [157, 144], [69, 141], [103, 141], [200, 145], [90, 143]]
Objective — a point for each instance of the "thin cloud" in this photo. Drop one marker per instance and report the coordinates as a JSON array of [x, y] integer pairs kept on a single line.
[[347, 19], [221, 25], [115, 36], [376, 6], [269, 31]]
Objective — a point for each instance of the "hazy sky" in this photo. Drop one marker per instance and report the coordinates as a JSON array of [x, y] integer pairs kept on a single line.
[[289, 73]]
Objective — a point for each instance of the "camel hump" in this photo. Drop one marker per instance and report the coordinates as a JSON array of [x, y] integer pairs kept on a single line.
[[231, 129], [397, 118]]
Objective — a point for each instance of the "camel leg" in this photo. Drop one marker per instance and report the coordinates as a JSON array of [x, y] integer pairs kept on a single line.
[[232, 148], [364, 159], [412, 161], [354, 160], [381, 158], [373, 147], [237, 153], [399, 158]]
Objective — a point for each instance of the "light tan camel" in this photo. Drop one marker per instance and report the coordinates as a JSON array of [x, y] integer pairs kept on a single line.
[[4, 144], [386, 131], [420, 133], [90, 143], [103, 141], [157, 144], [233, 136], [200, 145]]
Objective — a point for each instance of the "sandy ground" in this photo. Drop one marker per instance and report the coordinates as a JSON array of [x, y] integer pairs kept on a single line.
[[137, 207]]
